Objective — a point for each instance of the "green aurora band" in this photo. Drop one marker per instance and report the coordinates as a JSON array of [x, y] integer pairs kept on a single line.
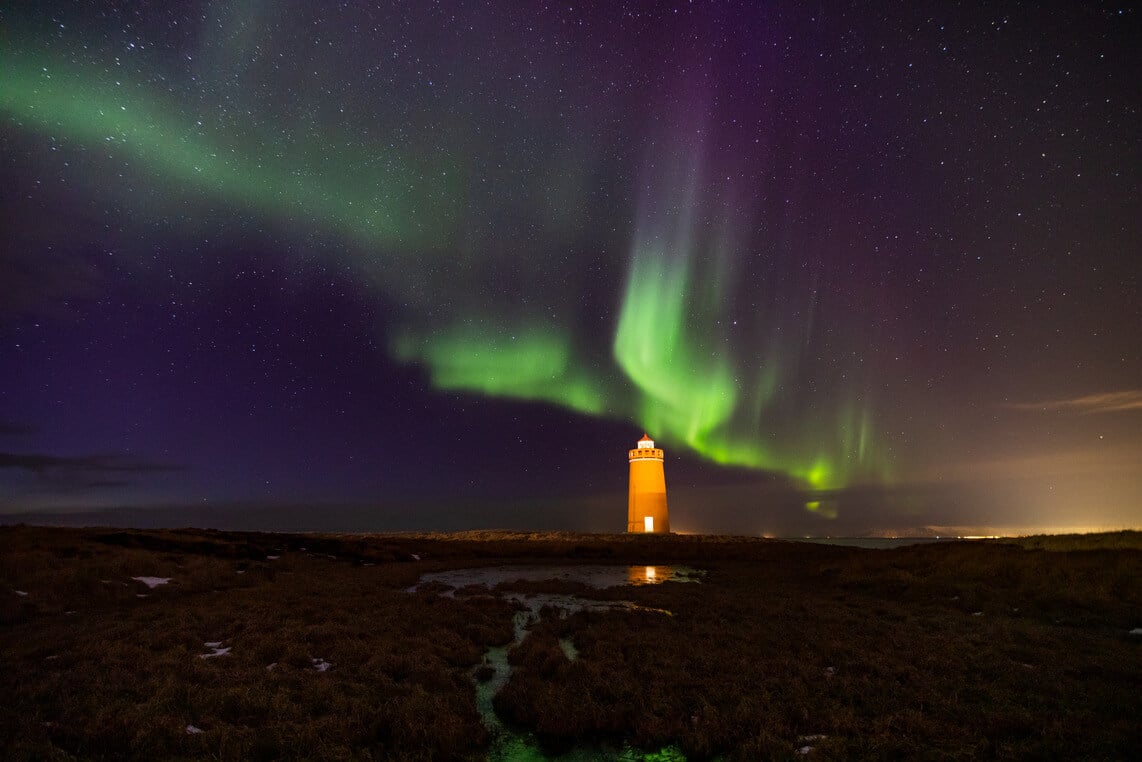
[[671, 343], [373, 202], [536, 365], [673, 370]]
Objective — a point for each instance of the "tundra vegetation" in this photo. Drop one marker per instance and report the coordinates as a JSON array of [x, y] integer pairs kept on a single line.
[[271, 646]]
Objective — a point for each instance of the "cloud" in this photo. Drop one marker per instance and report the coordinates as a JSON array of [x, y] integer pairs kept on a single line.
[[43, 464], [1106, 402], [14, 429], [60, 474]]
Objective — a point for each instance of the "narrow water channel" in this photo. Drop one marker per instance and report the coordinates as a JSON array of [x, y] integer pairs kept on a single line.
[[512, 744]]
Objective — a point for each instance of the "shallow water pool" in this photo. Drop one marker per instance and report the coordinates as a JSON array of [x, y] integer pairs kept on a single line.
[[598, 576]]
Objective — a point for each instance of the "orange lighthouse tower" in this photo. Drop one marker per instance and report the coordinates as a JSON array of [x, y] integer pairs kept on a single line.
[[646, 507]]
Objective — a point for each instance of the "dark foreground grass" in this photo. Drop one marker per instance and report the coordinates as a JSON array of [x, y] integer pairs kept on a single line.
[[947, 651]]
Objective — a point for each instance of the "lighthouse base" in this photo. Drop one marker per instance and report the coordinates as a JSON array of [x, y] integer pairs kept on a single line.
[[658, 523]]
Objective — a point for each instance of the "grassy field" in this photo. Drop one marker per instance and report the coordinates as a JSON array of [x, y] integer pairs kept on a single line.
[[943, 651]]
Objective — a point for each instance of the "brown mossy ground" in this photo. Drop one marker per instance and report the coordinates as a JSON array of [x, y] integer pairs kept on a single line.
[[965, 650]]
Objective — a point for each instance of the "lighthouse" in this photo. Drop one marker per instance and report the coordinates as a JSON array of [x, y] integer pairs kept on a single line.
[[646, 507]]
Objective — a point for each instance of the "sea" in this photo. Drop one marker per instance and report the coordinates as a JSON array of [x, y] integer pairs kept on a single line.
[[880, 543]]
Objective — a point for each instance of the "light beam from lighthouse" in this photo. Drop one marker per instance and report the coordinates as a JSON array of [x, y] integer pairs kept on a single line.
[[646, 505]]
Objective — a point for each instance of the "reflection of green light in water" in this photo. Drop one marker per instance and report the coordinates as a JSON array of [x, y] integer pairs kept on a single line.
[[665, 754], [515, 748]]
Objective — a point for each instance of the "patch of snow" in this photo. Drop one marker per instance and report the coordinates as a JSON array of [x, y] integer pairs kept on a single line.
[[415, 556], [569, 649], [21, 593], [977, 613], [152, 582], [830, 671], [241, 571], [321, 665], [272, 558], [69, 613], [272, 667], [1136, 631], [216, 650], [142, 595], [193, 731], [813, 737], [805, 750]]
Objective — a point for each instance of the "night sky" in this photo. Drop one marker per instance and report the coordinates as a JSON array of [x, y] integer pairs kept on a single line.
[[857, 268]]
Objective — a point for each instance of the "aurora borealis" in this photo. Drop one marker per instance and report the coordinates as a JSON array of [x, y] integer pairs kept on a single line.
[[850, 270]]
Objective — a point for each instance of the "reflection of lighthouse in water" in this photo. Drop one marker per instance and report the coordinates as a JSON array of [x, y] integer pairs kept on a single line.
[[646, 507]]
